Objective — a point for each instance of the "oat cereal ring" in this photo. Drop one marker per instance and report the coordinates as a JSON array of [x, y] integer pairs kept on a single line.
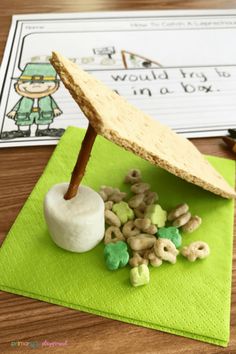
[[152, 229], [136, 200], [136, 260], [144, 224], [129, 229], [178, 211], [140, 211], [103, 195], [192, 224], [198, 249], [150, 197], [152, 257], [107, 190], [117, 196], [108, 205], [111, 218], [113, 234], [154, 260], [141, 187], [111, 194], [133, 176], [165, 250], [182, 220], [141, 242]]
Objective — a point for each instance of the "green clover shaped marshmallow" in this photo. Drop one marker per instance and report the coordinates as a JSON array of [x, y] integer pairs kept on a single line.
[[156, 214], [116, 255], [123, 211], [172, 233]]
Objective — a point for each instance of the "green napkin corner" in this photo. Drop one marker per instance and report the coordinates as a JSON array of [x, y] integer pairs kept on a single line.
[[188, 299]]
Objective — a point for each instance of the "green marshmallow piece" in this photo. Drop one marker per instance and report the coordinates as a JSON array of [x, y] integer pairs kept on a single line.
[[123, 211], [139, 275], [116, 255], [156, 214], [172, 233]]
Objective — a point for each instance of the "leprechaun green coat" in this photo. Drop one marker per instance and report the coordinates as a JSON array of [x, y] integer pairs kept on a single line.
[[25, 115]]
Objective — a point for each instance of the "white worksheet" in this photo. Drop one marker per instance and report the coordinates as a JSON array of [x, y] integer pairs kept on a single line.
[[177, 66]]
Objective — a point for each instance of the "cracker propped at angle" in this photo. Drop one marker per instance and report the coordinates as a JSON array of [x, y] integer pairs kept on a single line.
[[117, 120]]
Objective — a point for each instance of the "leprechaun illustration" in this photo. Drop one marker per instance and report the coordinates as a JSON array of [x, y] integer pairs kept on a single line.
[[36, 84]]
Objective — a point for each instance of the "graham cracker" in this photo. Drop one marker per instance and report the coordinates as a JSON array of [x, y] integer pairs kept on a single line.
[[117, 120]]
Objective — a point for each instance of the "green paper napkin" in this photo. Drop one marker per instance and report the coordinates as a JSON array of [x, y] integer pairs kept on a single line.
[[189, 299]]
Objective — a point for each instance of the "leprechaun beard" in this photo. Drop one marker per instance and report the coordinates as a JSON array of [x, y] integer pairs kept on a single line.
[[36, 90]]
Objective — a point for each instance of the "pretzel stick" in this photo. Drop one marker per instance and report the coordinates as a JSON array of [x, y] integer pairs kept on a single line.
[[80, 166]]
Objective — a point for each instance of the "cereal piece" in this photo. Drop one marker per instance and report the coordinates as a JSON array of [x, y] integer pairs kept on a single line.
[[111, 194], [172, 233], [198, 249], [137, 259], [166, 250], [111, 218], [182, 220], [141, 242], [156, 214], [141, 187], [129, 229], [152, 229], [107, 190], [133, 176], [144, 224], [178, 211], [113, 234], [152, 257], [136, 200], [150, 197], [123, 211], [108, 205], [141, 252], [139, 275], [140, 211], [116, 255], [154, 260], [117, 196], [192, 224], [103, 195]]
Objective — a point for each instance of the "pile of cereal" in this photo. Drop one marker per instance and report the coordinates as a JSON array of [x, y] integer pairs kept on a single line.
[[140, 232]]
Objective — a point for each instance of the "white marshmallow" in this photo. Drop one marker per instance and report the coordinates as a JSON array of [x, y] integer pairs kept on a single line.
[[77, 224]]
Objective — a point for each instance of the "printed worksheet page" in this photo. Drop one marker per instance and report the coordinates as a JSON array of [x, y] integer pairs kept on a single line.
[[177, 66]]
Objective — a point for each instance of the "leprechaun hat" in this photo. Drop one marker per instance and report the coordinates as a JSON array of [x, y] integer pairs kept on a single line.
[[38, 72]]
